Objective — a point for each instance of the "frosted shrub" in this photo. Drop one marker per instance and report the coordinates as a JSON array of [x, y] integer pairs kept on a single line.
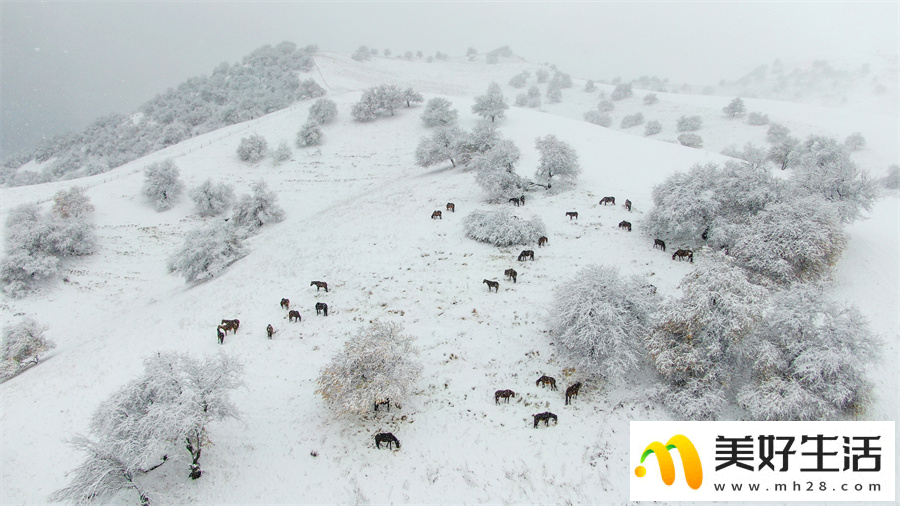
[[735, 108], [809, 361], [632, 120], [310, 134], [378, 364], [757, 119], [378, 100], [589, 86], [650, 99], [751, 154], [207, 251], [212, 199], [502, 228], [542, 75], [598, 118], [257, 209], [323, 111], [72, 203], [600, 318], [162, 184], [777, 133], [691, 140], [554, 94], [606, 106], [444, 144], [855, 141], [362, 53], [439, 112], [689, 123], [519, 80], [281, 154], [22, 346], [521, 100], [252, 149], [652, 127], [892, 180], [491, 105], [534, 97], [621, 91], [309, 88]]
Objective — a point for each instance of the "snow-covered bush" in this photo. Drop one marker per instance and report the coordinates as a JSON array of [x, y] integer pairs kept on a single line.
[[891, 181], [534, 97], [73, 203], [558, 159], [589, 86], [600, 318], [757, 119], [700, 342], [27, 261], [376, 101], [491, 105], [598, 118], [650, 99], [281, 154], [22, 346], [252, 149], [785, 153], [323, 111], [652, 127], [162, 185], [362, 53], [621, 92], [632, 120], [257, 209], [207, 251], [310, 134], [378, 364], [855, 141], [542, 75], [442, 145], [309, 88], [519, 80], [411, 96], [521, 100], [502, 228], [809, 361], [777, 133], [438, 112], [212, 199], [735, 108], [471, 53], [691, 140], [554, 93], [689, 123], [135, 430], [495, 174], [751, 154], [606, 106]]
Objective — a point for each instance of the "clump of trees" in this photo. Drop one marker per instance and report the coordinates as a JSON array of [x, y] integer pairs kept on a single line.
[[207, 251], [162, 185], [757, 119], [621, 92], [502, 228], [382, 99], [22, 346], [377, 364]]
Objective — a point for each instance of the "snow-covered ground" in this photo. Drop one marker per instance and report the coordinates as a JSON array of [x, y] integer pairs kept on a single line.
[[358, 216]]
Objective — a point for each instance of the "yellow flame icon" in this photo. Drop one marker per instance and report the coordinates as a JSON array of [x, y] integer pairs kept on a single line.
[[693, 472]]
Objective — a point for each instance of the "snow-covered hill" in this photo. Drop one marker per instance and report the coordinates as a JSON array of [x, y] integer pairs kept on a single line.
[[358, 216]]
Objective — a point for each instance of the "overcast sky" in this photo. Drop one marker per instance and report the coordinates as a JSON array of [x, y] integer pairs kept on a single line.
[[65, 64]]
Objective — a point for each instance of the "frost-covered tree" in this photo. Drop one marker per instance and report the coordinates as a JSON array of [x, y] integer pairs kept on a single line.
[[441, 56], [757, 119], [212, 199], [598, 118], [753, 155], [135, 430], [281, 154], [502, 228], [855, 141], [439, 112], [310, 134], [632, 120], [491, 105], [689, 123], [252, 149], [519, 80], [379, 363], [309, 88], [162, 184], [701, 339], [785, 152], [622, 91], [443, 144], [495, 172], [600, 318], [554, 93], [534, 97], [411, 96], [558, 159], [386, 52], [650, 99], [691, 140], [207, 251], [72, 203], [483, 137], [378, 100], [891, 180], [606, 106], [562, 80], [257, 209], [471, 53], [362, 53], [323, 111], [809, 361], [22, 346], [542, 75], [589, 86], [735, 108], [777, 133], [652, 127]]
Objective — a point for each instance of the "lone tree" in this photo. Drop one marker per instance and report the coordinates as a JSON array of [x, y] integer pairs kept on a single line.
[[411, 96], [492, 104], [438, 112], [558, 159], [323, 111], [162, 184], [252, 149], [377, 364], [22, 346], [310, 134], [444, 144], [257, 209], [212, 199], [735, 108]]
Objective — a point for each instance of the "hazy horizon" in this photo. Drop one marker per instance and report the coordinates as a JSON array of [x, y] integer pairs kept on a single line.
[[66, 64]]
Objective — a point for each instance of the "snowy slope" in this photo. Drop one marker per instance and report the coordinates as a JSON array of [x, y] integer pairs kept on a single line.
[[358, 216]]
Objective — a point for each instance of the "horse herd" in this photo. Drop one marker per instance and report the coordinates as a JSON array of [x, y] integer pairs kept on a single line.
[[543, 381], [293, 315]]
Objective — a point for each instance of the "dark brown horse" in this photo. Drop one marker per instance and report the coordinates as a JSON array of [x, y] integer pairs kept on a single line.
[[545, 417], [492, 284], [546, 380], [451, 207], [659, 243], [436, 215], [386, 403], [231, 325], [684, 253], [572, 214], [293, 313], [607, 200], [285, 304], [525, 254], [628, 205], [625, 225], [322, 307], [388, 438], [319, 284], [220, 335], [270, 330], [516, 201], [572, 391], [511, 274], [503, 394], [542, 241]]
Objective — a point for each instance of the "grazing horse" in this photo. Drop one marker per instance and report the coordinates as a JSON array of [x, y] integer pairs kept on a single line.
[[684, 253], [492, 284], [220, 335], [522, 200], [516, 201], [572, 214], [544, 417], [436, 214], [526, 254], [572, 391], [625, 224], [607, 200], [659, 243], [386, 403], [542, 240], [451, 207], [546, 380], [511, 274], [293, 314], [628, 205], [320, 284], [270, 330], [505, 394], [386, 437], [322, 307], [231, 325], [285, 304]]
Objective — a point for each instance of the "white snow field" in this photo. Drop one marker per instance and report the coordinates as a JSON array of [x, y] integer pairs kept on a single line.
[[358, 216]]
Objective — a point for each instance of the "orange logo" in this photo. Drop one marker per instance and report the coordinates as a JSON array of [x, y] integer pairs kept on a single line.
[[690, 460]]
